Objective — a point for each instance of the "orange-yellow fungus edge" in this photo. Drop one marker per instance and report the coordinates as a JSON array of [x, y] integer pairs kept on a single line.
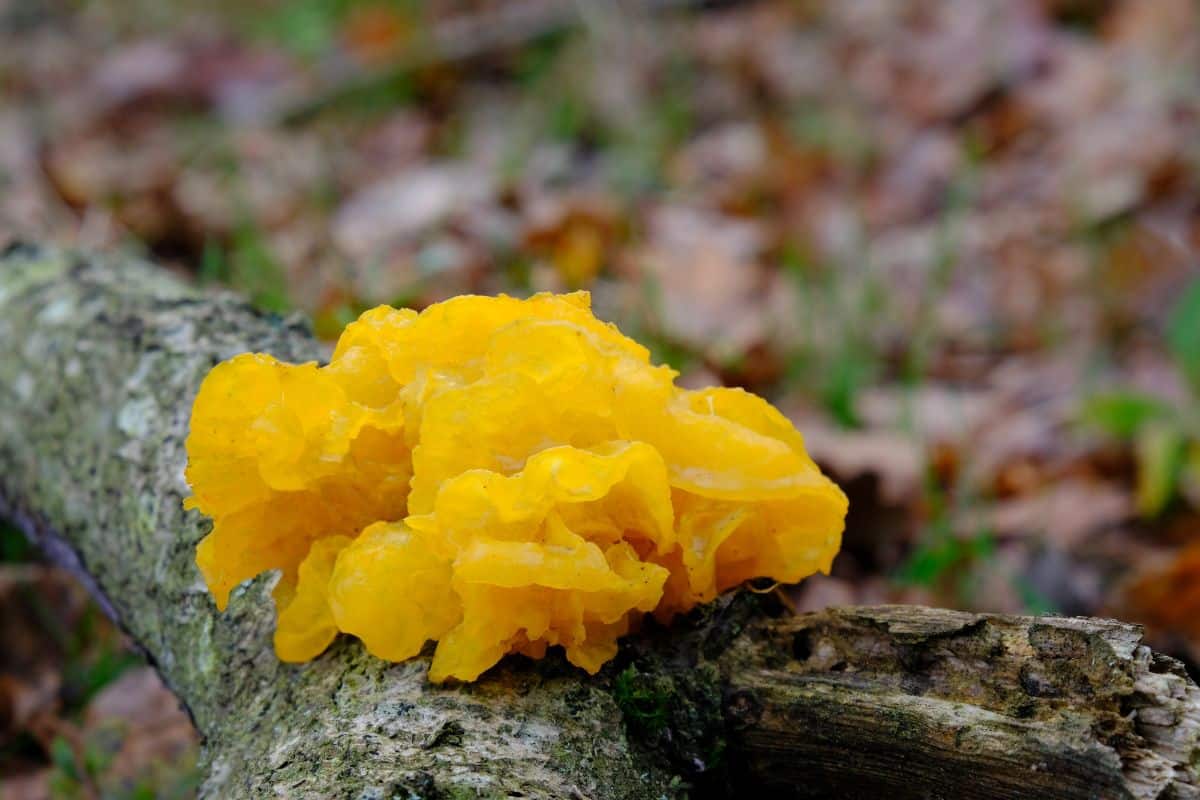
[[496, 474]]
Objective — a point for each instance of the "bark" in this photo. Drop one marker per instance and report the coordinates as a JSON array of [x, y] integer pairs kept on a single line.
[[100, 358]]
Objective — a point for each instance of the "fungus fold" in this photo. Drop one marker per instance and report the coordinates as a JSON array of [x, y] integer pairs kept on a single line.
[[498, 475]]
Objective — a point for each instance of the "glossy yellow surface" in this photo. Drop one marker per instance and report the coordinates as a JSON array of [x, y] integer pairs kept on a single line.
[[498, 475]]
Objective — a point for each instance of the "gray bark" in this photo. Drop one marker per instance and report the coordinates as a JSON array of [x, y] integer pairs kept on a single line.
[[100, 358]]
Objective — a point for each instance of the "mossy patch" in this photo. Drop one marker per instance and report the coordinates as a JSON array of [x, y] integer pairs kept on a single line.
[[643, 700], [676, 714]]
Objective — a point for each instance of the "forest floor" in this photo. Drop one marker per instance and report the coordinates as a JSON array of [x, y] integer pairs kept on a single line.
[[954, 241]]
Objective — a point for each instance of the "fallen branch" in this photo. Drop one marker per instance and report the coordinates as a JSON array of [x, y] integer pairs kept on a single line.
[[467, 37], [100, 360]]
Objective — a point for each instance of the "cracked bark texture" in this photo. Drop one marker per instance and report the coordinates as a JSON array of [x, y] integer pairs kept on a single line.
[[100, 358]]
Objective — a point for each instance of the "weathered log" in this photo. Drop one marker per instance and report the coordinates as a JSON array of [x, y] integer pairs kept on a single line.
[[100, 358]]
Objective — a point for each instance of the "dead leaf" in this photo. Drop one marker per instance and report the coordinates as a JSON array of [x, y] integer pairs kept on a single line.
[[33, 784], [38, 604], [719, 161], [130, 175], [896, 458], [822, 591], [26, 697], [934, 412], [397, 142], [153, 727], [700, 275], [1065, 513], [575, 232], [375, 33], [138, 70], [1165, 28], [1166, 596], [397, 210]]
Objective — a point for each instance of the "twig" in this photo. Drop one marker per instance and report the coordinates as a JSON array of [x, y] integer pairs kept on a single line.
[[459, 39]]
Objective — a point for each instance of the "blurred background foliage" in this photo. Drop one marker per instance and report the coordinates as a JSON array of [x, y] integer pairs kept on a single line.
[[953, 239]]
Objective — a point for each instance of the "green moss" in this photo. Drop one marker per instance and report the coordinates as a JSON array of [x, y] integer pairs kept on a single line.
[[13, 545], [675, 713], [643, 699]]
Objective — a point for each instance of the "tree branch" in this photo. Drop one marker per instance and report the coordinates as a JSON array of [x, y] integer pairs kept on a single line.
[[100, 358]]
